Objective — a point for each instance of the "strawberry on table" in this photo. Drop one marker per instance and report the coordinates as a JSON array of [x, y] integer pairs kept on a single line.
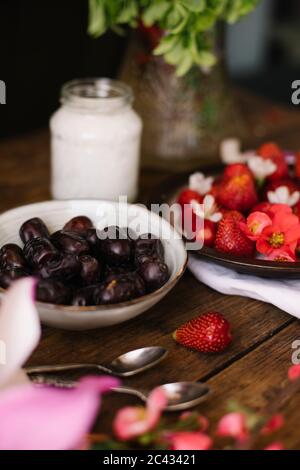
[[231, 239], [208, 333]]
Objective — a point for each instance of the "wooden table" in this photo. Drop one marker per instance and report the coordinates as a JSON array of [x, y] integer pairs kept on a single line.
[[254, 367]]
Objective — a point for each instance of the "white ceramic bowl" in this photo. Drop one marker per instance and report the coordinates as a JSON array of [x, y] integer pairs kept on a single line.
[[56, 213]]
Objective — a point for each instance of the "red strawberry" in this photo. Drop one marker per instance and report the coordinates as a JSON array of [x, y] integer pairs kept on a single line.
[[207, 235], [188, 195], [215, 188], [233, 215], [231, 239], [238, 193], [208, 333], [236, 169], [271, 151]]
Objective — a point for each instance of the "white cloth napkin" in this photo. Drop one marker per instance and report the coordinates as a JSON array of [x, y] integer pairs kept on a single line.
[[283, 294]]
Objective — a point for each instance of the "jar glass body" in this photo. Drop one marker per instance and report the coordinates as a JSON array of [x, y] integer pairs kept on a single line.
[[95, 142]]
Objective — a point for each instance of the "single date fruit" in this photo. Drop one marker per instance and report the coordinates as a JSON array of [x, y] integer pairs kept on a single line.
[[38, 251], [115, 291], [134, 277], [11, 256], [53, 292], [70, 242], [90, 270], [117, 250], [62, 267], [33, 228], [155, 274], [94, 242], [80, 224], [148, 246]]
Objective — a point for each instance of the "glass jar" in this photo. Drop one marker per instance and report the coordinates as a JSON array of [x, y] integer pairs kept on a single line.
[[95, 141]]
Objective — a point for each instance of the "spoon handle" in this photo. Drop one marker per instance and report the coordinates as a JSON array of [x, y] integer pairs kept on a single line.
[[65, 367], [130, 391]]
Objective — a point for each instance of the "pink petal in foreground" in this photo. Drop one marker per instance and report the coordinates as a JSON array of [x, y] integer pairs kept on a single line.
[[190, 441], [274, 424], [294, 373], [233, 425], [19, 327], [133, 421], [275, 446], [44, 418]]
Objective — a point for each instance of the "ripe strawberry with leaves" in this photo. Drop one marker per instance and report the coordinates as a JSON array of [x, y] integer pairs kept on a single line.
[[230, 238], [208, 333]]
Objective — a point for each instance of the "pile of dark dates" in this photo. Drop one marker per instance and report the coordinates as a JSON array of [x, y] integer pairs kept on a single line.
[[80, 266]]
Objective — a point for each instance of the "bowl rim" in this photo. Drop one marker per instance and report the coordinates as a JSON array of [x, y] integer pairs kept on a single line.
[[95, 308]]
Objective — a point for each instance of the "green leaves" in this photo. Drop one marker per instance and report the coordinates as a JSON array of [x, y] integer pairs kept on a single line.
[[187, 24], [155, 12], [235, 9], [194, 5]]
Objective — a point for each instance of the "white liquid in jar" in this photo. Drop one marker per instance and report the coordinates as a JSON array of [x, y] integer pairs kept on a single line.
[[95, 148]]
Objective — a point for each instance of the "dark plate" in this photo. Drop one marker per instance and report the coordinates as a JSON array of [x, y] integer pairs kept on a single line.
[[167, 191]]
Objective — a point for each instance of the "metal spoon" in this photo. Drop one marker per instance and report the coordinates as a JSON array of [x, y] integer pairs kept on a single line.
[[130, 363], [180, 395]]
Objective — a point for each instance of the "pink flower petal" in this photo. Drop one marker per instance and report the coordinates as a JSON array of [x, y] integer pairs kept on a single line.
[[233, 425], [19, 326], [273, 425], [156, 403], [42, 418], [294, 373], [185, 440], [257, 221], [131, 421], [275, 446]]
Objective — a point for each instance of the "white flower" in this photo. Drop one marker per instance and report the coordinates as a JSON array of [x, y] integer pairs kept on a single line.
[[282, 195], [260, 167], [198, 182], [230, 152], [207, 210]]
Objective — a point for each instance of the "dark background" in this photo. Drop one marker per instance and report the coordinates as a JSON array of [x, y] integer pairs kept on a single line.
[[44, 43]]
